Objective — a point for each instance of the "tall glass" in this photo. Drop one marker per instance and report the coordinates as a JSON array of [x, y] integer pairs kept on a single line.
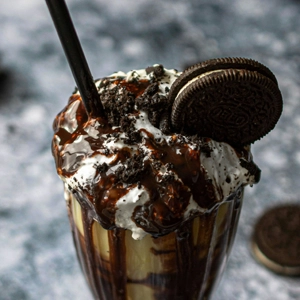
[[185, 264]]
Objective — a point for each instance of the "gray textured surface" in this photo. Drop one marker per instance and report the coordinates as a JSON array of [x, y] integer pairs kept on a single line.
[[36, 251]]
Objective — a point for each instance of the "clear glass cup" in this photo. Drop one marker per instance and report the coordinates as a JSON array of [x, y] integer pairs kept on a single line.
[[185, 264]]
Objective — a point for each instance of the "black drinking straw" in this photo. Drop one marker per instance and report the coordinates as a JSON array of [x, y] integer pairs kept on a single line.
[[75, 56]]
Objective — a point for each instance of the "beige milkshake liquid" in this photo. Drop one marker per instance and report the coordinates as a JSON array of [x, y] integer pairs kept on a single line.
[[185, 264]]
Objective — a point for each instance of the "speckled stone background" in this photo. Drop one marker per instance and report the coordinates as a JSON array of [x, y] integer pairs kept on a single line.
[[36, 251]]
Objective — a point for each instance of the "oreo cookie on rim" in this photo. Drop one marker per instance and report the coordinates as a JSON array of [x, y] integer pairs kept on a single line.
[[233, 100], [276, 239]]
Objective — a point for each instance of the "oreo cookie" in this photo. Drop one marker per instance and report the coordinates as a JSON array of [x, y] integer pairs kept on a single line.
[[233, 100], [276, 239]]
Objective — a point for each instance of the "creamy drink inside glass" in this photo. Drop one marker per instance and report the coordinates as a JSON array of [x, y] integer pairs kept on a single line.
[[153, 212]]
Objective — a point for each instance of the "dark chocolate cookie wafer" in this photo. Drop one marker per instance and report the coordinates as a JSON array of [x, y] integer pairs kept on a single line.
[[235, 100], [276, 239]]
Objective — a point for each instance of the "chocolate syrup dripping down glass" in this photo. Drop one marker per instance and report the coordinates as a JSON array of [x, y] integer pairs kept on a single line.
[[75, 56], [184, 246], [116, 239], [88, 239], [191, 266]]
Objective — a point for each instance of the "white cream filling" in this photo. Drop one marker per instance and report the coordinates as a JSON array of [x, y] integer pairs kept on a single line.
[[85, 175], [192, 207], [126, 206], [70, 115], [224, 169], [195, 79], [170, 75], [143, 123]]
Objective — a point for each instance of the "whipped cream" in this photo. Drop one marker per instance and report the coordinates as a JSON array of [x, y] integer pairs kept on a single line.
[[136, 176]]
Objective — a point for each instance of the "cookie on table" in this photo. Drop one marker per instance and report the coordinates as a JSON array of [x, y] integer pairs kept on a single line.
[[276, 239]]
